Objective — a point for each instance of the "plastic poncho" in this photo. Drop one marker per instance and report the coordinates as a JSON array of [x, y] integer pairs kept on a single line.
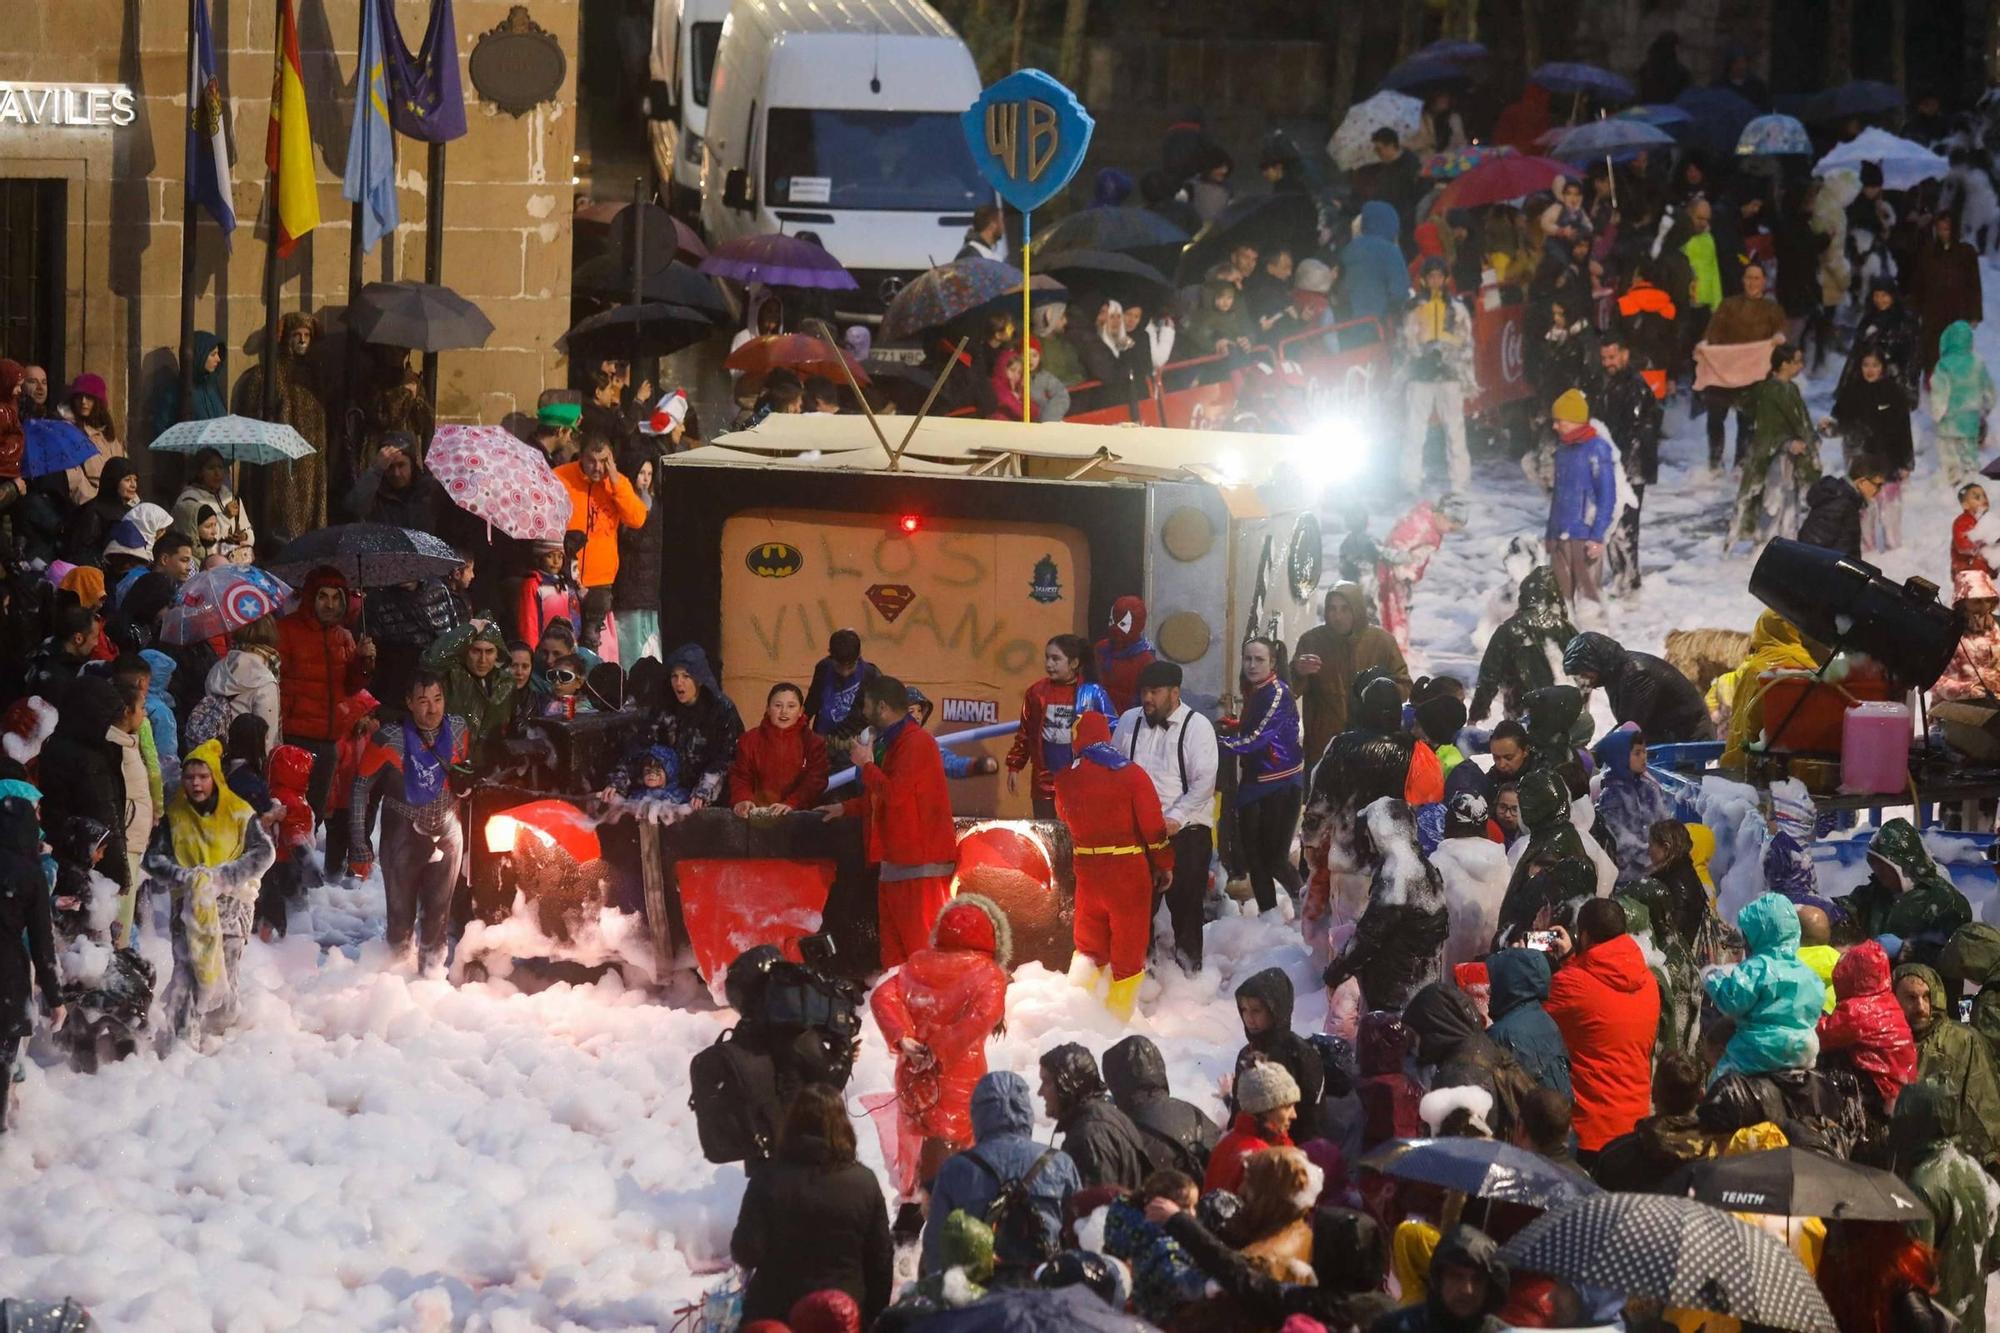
[[1868, 1024], [1954, 1058], [1771, 494], [1628, 805], [485, 707], [1906, 895], [1973, 954], [1964, 1203], [1775, 645], [1552, 837], [1961, 389], [1774, 999], [1525, 652], [1398, 944], [1519, 981]]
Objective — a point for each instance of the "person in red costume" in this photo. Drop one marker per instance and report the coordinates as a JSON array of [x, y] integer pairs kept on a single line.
[[936, 1012], [780, 761], [1123, 653], [906, 819], [1048, 713], [1121, 856]]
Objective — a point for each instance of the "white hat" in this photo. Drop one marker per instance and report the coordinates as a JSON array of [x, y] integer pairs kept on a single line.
[[669, 412], [134, 534]]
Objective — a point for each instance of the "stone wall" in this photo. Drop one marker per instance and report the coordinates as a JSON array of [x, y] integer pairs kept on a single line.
[[507, 209]]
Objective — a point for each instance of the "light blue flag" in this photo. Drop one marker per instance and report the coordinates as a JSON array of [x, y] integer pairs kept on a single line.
[[371, 146]]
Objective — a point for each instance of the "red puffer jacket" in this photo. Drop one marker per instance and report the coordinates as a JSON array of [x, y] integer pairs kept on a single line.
[[290, 773], [1868, 1022], [1607, 1005], [13, 443], [904, 803], [948, 998], [319, 664]]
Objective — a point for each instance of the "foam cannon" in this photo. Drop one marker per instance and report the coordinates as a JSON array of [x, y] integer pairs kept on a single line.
[[1850, 605]]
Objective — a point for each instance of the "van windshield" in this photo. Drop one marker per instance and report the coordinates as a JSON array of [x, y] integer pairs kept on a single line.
[[703, 38], [910, 160]]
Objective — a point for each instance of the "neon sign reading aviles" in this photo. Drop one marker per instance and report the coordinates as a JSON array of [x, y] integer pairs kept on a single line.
[[75, 106]]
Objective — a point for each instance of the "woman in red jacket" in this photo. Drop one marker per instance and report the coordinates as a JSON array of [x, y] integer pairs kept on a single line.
[[780, 761], [1267, 1101], [1048, 714], [936, 1012]]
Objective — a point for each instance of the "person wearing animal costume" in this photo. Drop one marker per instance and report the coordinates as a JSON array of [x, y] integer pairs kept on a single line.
[[1122, 855]]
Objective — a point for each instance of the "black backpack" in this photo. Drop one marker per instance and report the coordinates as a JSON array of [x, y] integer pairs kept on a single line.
[[1020, 1241], [734, 1096]]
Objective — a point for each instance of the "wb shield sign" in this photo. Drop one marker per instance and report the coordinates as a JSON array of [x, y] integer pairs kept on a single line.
[[1028, 134]]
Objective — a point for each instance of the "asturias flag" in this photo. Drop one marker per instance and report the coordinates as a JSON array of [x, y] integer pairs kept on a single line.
[[207, 143], [428, 100], [288, 144], [371, 147]]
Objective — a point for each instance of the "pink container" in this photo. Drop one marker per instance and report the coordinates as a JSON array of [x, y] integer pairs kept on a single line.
[[1875, 749]]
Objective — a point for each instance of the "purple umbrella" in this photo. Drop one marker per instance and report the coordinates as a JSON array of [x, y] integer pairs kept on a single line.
[[777, 261]]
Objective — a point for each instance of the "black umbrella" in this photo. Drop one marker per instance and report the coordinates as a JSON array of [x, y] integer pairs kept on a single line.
[[1484, 1168], [1791, 1182], [1675, 1251], [1033, 1310], [1139, 232], [1261, 220], [1426, 74], [1858, 97], [1120, 277], [370, 555], [655, 329], [904, 383], [606, 279], [417, 315]]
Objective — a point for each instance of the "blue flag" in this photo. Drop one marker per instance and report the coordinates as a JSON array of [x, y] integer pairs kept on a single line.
[[371, 145], [427, 101], [208, 156]]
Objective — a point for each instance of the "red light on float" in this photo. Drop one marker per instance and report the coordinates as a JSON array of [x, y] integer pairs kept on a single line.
[[908, 524]]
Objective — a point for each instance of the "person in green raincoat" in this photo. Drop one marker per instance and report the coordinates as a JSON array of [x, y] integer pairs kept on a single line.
[[1552, 840], [1962, 1202], [1556, 725], [1783, 461], [1961, 396], [211, 393], [1973, 954], [1679, 981], [1953, 1058], [1523, 652], [1906, 895], [477, 684]]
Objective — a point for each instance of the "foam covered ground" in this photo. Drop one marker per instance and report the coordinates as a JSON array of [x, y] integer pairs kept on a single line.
[[371, 1151]]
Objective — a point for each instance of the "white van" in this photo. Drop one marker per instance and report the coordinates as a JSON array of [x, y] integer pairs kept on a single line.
[[840, 118], [686, 34]]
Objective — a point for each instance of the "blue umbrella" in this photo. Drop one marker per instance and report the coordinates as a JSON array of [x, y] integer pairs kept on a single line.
[[1422, 74], [1454, 49], [1660, 115], [1774, 136], [1610, 138], [53, 446], [1859, 97], [1483, 1168], [942, 294], [1717, 117], [1584, 81]]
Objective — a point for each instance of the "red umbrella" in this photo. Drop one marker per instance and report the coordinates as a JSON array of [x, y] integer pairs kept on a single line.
[[1502, 180], [795, 351]]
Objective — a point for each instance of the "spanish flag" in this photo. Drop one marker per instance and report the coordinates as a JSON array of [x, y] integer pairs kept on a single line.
[[288, 142]]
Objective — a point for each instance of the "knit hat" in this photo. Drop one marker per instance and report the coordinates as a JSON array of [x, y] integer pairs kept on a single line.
[[87, 583], [1572, 408], [1265, 1087], [1442, 717], [1313, 275], [827, 1311]]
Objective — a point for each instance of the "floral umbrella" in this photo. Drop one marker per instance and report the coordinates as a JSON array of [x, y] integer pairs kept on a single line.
[[944, 293], [1352, 144], [222, 601], [1456, 162], [489, 473]]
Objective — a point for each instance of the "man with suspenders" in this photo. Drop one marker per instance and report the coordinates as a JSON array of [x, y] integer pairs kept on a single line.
[[1176, 747]]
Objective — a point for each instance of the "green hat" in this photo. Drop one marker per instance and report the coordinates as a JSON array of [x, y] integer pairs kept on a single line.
[[565, 415]]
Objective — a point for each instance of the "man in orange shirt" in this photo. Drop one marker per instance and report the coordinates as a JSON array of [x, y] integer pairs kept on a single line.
[[600, 501]]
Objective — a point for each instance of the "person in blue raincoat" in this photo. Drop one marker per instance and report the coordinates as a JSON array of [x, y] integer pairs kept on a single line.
[[1774, 999], [1630, 801], [1374, 278], [1003, 1148], [1519, 981]]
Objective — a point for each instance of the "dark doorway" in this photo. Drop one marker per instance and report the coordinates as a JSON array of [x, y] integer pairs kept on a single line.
[[34, 218]]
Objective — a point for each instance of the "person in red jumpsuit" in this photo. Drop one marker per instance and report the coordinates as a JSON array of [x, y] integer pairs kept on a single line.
[[1121, 856], [906, 819], [936, 1012], [1123, 653]]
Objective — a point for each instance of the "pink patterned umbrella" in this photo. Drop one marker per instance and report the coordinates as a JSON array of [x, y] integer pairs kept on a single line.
[[488, 472]]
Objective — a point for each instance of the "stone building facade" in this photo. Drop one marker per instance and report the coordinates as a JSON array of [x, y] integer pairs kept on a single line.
[[91, 214]]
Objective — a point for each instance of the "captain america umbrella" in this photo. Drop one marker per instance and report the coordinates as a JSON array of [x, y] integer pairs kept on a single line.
[[221, 601]]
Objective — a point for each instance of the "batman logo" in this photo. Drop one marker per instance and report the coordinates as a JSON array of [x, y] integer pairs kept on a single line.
[[774, 560]]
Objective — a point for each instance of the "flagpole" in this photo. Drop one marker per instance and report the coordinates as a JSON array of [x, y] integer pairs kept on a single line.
[[268, 408], [188, 224], [434, 257], [350, 417]]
